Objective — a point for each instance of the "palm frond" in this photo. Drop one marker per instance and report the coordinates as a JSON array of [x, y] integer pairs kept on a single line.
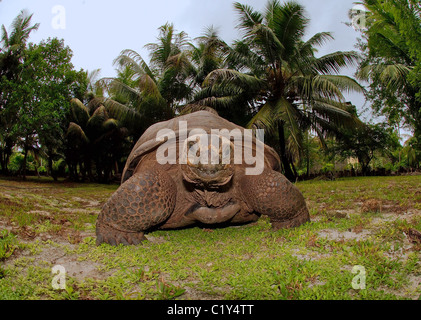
[[243, 59], [4, 37], [21, 28], [263, 118], [169, 43], [127, 62], [290, 25], [110, 124], [333, 62], [121, 112], [248, 17], [319, 39], [94, 104], [333, 113], [225, 101], [318, 86], [391, 75], [181, 64], [132, 59], [76, 134], [269, 43], [330, 108], [118, 88], [97, 120], [232, 76], [79, 112], [394, 75], [286, 111], [332, 86]]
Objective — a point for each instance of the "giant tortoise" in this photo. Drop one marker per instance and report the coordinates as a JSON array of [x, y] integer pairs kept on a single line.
[[155, 194]]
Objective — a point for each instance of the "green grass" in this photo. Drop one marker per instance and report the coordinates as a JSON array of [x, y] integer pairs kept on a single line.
[[46, 224]]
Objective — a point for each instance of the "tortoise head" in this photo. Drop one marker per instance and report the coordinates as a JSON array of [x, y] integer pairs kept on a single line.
[[208, 160]]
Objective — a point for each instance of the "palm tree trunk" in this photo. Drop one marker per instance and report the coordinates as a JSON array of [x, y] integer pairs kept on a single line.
[[308, 163], [50, 167], [25, 156], [285, 162], [307, 155], [3, 161]]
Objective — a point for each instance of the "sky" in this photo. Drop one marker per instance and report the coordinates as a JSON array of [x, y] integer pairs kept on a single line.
[[98, 30]]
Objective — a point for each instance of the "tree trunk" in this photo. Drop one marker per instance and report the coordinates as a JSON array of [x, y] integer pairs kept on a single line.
[[3, 161], [6, 153], [115, 167], [285, 162], [308, 166], [307, 157], [50, 167], [364, 165], [24, 162]]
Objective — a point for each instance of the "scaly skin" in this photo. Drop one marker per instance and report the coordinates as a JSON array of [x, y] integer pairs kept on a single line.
[[143, 201], [155, 196], [273, 195]]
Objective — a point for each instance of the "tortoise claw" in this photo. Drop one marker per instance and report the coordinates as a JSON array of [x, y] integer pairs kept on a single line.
[[106, 234]]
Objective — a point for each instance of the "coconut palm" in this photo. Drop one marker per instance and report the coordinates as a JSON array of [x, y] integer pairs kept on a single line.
[[208, 55], [412, 152], [389, 60], [153, 91], [276, 79], [94, 139], [12, 45]]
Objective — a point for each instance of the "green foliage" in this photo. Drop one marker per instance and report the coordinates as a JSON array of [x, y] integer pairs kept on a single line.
[[313, 261], [94, 140], [278, 82], [412, 152], [269, 78], [391, 47], [12, 51], [36, 90], [7, 244], [328, 167], [362, 142], [15, 163]]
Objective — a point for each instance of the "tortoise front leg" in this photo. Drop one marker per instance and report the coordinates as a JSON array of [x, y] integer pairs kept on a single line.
[[142, 202], [271, 194]]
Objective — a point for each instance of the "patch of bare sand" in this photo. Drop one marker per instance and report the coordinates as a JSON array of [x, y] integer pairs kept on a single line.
[[61, 254], [333, 234]]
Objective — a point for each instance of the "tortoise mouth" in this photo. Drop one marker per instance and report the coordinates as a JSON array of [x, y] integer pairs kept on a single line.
[[208, 174], [208, 160]]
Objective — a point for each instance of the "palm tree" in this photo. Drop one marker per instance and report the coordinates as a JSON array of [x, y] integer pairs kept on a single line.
[[412, 152], [209, 54], [154, 91], [162, 88], [278, 81], [12, 45], [389, 60], [94, 138], [134, 95]]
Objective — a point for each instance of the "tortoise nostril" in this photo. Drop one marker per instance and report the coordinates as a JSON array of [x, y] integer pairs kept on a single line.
[[209, 169]]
